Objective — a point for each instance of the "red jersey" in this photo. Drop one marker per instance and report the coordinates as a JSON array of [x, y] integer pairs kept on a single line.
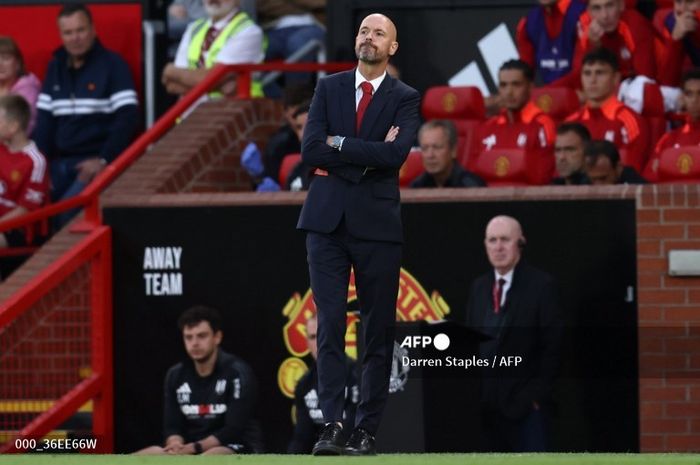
[[672, 56], [633, 42], [689, 134], [24, 179], [531, 129], [616, 122]]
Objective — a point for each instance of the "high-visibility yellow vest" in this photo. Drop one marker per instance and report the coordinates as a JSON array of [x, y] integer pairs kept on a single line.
[[199, 31]]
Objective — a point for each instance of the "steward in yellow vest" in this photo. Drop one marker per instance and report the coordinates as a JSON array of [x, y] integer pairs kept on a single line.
[[199, 32]]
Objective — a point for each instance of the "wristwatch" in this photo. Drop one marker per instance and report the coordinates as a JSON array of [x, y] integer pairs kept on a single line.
[[337, 142], [198, 448]]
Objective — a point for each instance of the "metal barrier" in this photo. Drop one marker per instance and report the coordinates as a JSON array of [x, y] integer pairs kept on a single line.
[[55, 358]]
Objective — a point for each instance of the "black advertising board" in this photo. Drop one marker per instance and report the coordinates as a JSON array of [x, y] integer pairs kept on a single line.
[[250, 262]]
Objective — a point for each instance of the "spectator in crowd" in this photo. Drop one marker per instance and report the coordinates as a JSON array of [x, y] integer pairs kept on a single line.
[[438, 145], [568, 153], [516, 404], [88, 108], [227, 35], [24, 179], [15, 79], [520, 124], [299, 178], [279, 147], [546, 37], [628, 34], [689, 133], [286, 140], [309, 418], [681, 41], [604, 115], [603, 165], [213, 377], [290, 26], [181, 13]]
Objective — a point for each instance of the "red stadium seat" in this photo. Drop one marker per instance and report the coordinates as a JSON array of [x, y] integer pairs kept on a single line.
[[463, 105], [659, 17], [630, 4], [557, 102], [505, 167], [680, 165], [411, 168], [455, 103], [465, 134], [288, 163], [653, 111]]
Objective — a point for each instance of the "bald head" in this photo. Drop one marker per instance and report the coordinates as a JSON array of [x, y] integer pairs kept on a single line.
[[503, 240], [376, 40], [384, 21]]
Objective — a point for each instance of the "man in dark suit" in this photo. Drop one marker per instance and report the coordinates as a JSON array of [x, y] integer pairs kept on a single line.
[[360, 128], [516, 305]]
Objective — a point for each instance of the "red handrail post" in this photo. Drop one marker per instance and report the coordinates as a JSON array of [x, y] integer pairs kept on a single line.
[[243, 83], [101, 303], [92, 216]]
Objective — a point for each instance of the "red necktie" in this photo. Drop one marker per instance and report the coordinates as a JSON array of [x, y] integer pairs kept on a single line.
[[364, 103], [209, 38], [498, 295]]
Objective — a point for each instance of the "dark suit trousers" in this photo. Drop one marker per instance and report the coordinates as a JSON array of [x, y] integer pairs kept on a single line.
[[376, 265]]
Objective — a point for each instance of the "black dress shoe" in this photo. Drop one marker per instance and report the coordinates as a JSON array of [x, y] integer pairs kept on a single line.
[[329, 440], [360, 443]]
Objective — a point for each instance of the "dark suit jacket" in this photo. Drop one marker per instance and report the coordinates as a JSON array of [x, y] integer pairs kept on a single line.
[[531, 327], [368, 198]]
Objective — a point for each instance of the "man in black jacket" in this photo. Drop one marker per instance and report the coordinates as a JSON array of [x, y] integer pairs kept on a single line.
[[438, 145], [516, 305], [210, 398], [603, 165]]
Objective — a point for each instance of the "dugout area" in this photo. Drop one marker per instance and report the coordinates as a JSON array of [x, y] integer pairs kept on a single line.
[[249, 261]]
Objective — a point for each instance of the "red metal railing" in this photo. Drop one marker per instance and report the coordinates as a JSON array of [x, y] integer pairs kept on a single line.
[[95, 250]]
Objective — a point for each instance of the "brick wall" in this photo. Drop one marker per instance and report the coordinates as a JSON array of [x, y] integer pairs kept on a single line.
[[668, 218], [202, 154]]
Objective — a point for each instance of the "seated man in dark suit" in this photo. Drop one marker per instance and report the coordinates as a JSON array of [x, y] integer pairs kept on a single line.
[[516, 305], [438, 145]]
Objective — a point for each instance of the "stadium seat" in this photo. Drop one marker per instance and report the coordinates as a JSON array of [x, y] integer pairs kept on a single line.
[[659, 17], [557, 102], [288, 163], [505, 167], [653, 111], [630, 3], [679, 165], [463, 105], [411, 168]]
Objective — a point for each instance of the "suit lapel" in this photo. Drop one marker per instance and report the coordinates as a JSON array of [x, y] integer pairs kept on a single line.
[[376, 105], [346, 97]]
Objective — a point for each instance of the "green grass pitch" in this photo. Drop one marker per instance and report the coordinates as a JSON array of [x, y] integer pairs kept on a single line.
[[388, 459]]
